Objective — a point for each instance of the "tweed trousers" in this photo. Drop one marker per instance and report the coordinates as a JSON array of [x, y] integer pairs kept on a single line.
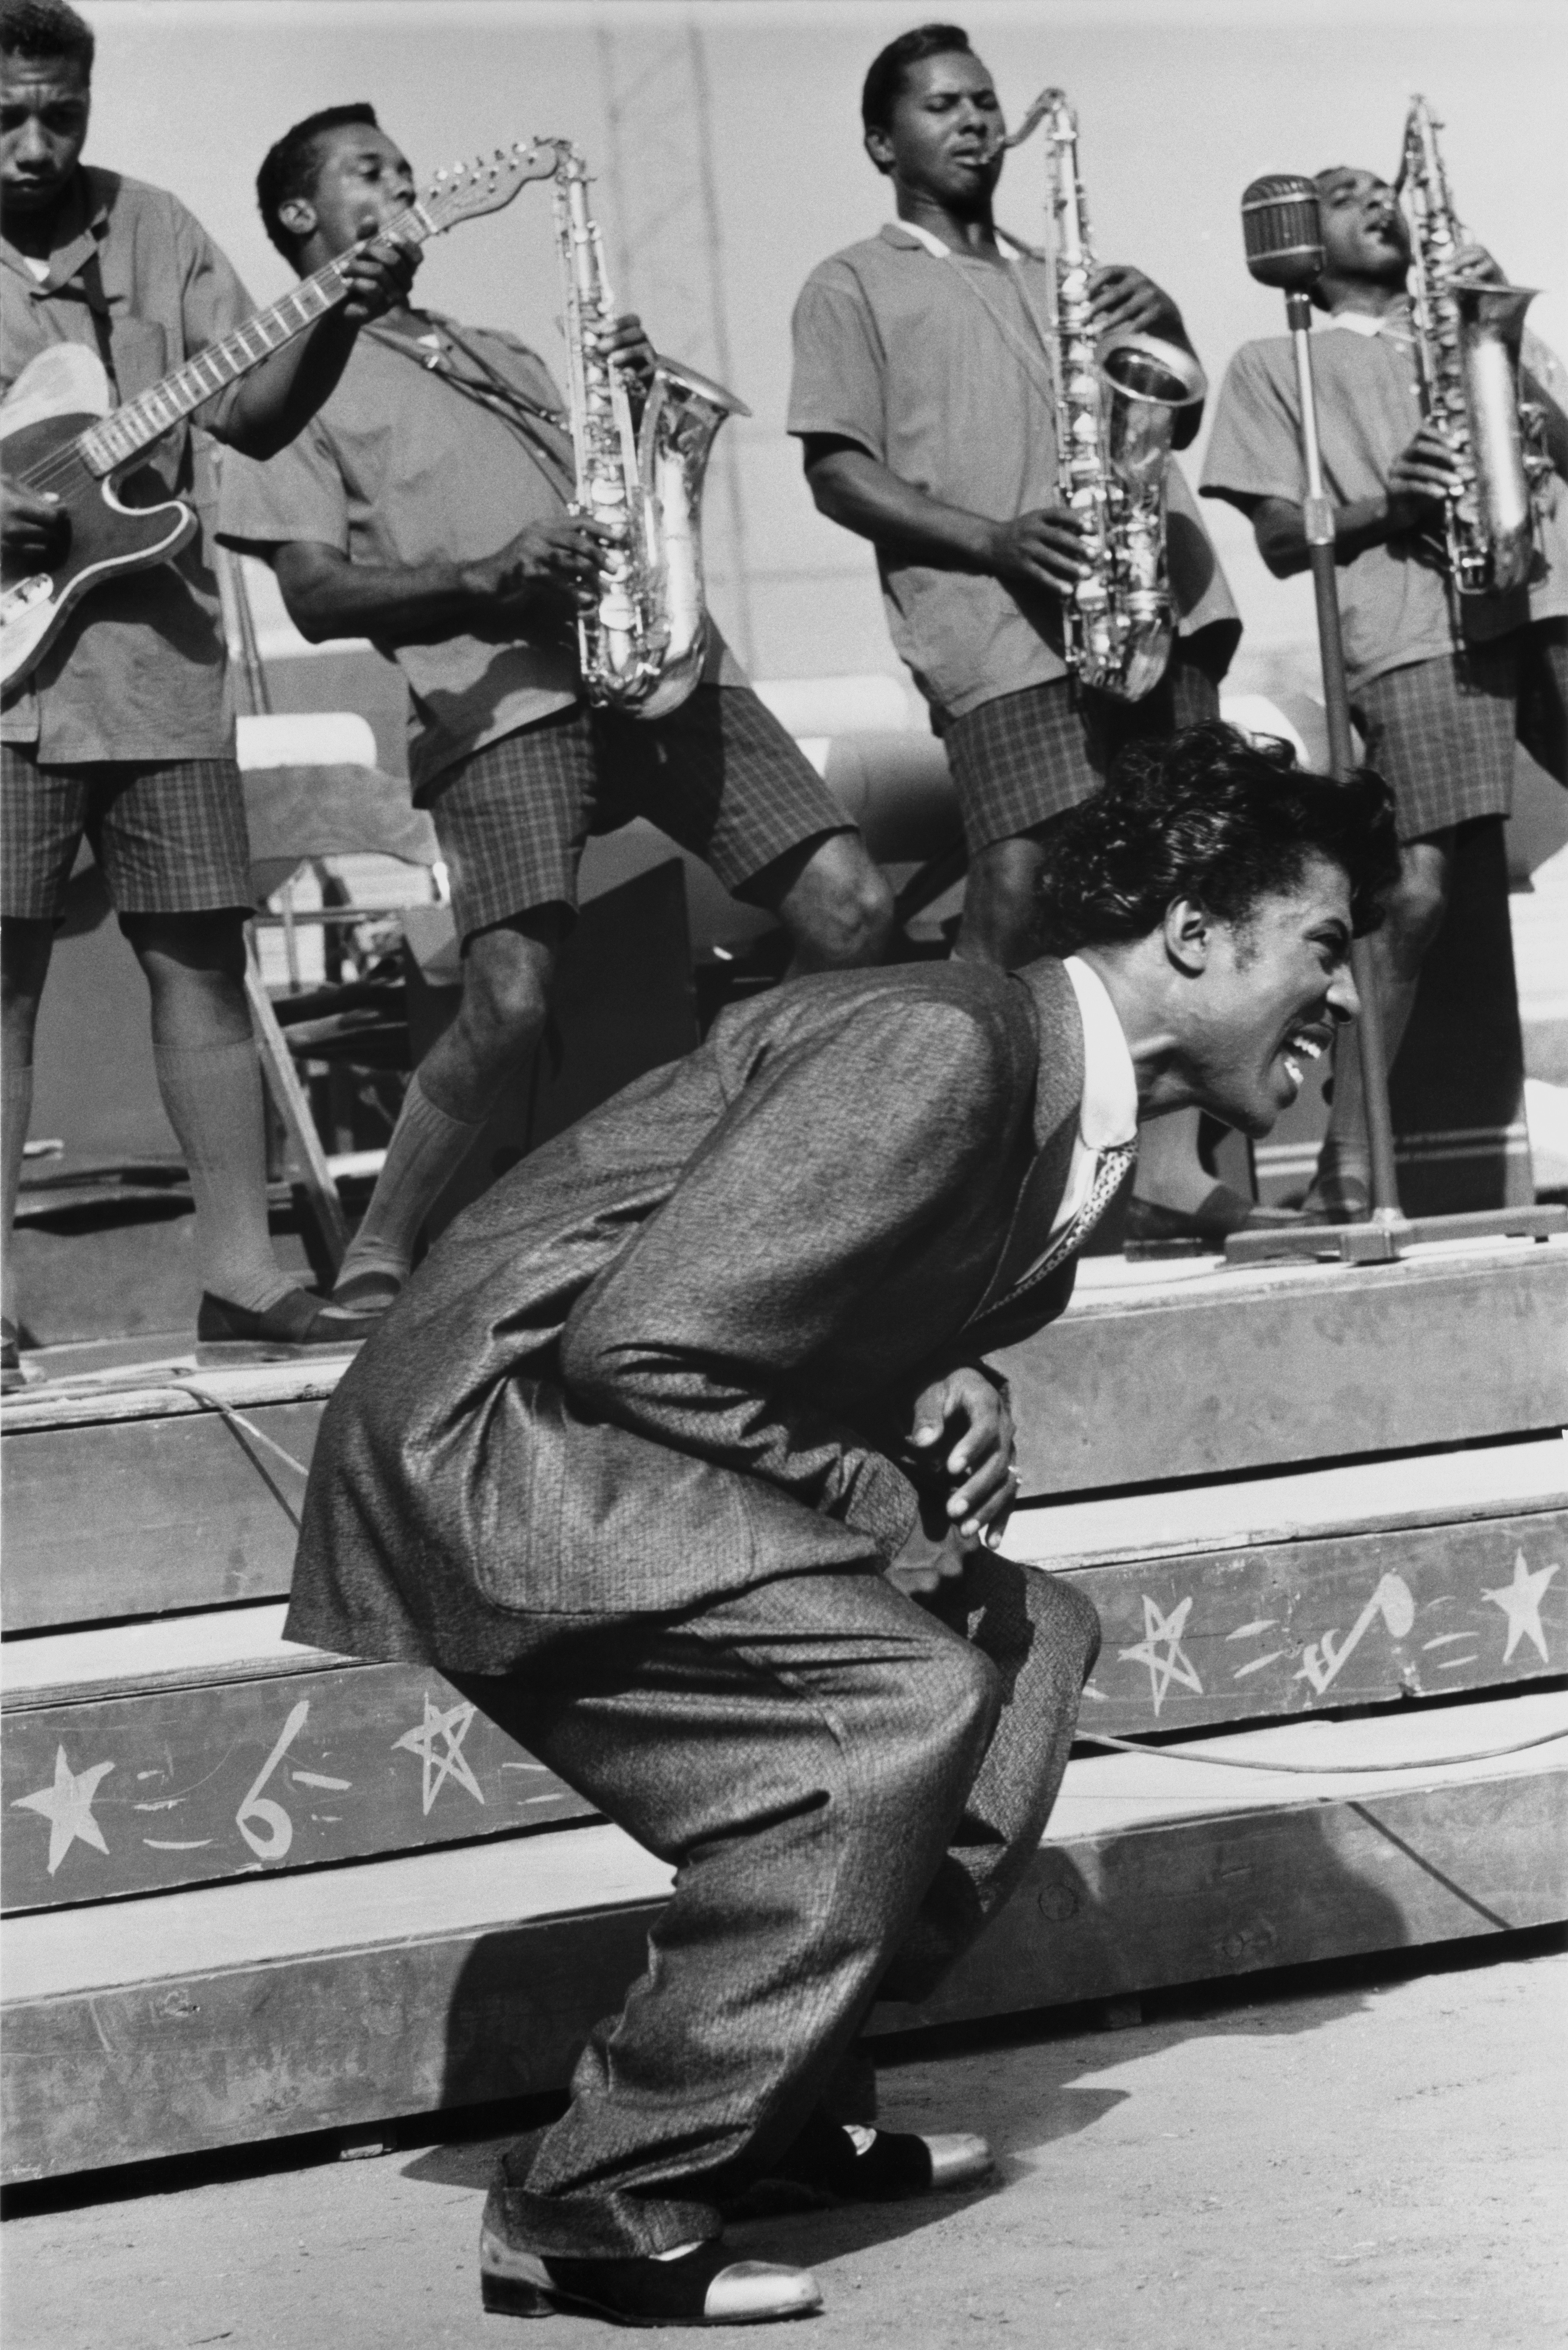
[[849, 1785]]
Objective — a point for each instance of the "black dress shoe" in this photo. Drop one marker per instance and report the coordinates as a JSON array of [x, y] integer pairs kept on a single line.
[[851, 2164], [11, 1378], [299, 1319], [700, 2287]]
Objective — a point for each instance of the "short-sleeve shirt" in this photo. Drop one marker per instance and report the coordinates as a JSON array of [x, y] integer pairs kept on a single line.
[[935, 362], [138, 673], [408, 463], [1394, 598]]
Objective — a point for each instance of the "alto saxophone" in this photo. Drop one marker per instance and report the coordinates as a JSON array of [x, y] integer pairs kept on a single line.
[[644, 640], [1468, 336], [1118, 400]]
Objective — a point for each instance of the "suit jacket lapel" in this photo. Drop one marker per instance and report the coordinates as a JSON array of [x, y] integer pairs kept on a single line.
[[1058, 1096]]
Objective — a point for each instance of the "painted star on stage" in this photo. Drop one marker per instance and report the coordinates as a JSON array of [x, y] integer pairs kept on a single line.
[[68, 1807], [450, 1728], [1164, 1632], [1520, 1603]]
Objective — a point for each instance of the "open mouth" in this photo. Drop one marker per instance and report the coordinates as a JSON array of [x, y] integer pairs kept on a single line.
[[1307, 1042]]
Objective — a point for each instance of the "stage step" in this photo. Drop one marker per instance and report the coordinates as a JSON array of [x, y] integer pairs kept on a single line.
[[133, 1496], [232, 1753], [339, 1998], [1193, 1368]]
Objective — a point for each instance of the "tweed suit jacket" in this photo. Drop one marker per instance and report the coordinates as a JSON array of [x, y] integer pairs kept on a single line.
[[672, 1353]]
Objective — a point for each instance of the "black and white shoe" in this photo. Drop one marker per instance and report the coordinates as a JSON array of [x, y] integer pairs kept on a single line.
[[701, 2285], [845, 2162]]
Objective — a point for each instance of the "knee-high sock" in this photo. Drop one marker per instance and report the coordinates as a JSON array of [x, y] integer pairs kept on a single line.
[[213, 1097], [15, 1114], [426, 1151]]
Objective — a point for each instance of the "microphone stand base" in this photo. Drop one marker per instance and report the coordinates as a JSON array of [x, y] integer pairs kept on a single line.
[[1386, 1238]]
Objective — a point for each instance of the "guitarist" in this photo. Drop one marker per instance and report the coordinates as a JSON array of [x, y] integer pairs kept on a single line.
[[124, 733], [426, 509]]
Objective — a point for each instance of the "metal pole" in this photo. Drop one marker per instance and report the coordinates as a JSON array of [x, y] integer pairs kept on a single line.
[[1317, 514]]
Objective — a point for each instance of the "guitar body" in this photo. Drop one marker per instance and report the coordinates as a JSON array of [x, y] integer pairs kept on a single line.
[[105, 537], [65, 390]]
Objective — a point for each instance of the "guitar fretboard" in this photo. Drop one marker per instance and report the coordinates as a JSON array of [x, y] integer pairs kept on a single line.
[[152, 413]]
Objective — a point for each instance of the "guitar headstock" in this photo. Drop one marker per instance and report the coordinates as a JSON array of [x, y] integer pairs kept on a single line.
[[461, 191]]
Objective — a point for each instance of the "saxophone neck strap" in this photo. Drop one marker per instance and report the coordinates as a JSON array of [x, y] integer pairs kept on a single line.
[[529, 420]]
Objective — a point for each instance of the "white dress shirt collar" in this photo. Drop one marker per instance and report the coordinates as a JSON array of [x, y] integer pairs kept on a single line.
[[1108, 1115], [1393, 324]]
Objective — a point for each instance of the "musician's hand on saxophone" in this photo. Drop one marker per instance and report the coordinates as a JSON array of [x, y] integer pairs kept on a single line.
[[627, 348], [1476, 266], [1123, 300], [549, 571], [1422, 475], [1044, 548]]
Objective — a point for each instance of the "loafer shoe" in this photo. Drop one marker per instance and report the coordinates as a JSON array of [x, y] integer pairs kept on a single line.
[[299, 1319], [853, 2164], [367, 1294], [11, 1377], [700, 2287]]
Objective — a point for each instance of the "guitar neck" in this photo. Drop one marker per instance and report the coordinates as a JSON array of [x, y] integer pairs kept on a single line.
[[151, 414]]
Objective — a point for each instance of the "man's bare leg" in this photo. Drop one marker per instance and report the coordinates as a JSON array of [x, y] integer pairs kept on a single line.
[[25, 950], [208, 1076], [1342, 1187], [835, 903], [506, 975]]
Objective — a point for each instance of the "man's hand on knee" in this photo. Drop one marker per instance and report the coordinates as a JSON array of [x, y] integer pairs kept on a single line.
[[961, 1438], [934, 1553], [961, 1430]]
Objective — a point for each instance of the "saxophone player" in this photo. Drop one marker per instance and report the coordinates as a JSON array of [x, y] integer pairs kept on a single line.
[[1437, 711], [427, 510], [923, 401]]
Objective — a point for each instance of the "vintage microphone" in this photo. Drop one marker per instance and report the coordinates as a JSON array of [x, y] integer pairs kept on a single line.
[[1285, 248]]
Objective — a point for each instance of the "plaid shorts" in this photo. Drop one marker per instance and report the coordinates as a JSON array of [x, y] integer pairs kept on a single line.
[[720, 775], [1441, 734], [168, 839], [1026, 757]]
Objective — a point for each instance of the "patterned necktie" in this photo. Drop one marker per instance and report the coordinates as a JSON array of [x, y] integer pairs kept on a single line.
[[1111, 1172]]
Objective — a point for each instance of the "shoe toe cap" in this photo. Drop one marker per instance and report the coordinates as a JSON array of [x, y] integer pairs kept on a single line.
[[746, 2291], [958, 2160]]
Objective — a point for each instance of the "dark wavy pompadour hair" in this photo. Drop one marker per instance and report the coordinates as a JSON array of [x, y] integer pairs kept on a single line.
[[289, 168], [46, 29], [1216, 817], [884, 84]]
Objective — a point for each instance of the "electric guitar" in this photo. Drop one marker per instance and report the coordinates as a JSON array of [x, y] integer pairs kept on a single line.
[[57, 433]]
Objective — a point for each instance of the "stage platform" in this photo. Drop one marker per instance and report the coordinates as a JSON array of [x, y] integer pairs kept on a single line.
[[250, 1889]]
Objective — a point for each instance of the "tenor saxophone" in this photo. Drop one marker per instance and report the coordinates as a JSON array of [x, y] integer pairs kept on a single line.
[[1118, 400], [644, 639], [1468, 336]]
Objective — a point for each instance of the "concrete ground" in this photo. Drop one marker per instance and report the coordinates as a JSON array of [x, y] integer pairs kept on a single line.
[[1331, 2163]]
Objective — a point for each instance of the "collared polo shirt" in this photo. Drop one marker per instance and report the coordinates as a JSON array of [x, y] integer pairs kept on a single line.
[[935, 362], [139, 672], [402, 467], [1394, 598]]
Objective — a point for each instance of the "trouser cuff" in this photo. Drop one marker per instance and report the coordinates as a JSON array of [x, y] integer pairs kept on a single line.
[[612, 2226]]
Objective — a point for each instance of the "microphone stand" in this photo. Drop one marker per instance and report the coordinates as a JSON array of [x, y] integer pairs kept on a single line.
[[1390, 1232], [1317, 513]]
